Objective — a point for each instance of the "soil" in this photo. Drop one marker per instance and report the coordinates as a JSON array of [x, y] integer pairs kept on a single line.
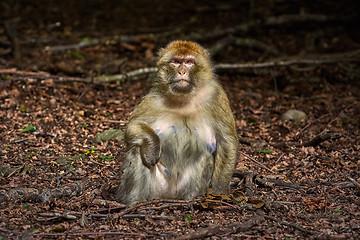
[[294, 179]]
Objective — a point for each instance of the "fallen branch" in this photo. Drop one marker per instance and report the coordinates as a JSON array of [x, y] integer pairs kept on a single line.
[[281, 62], [265, 181], [268, 22], [319, 139], [276, 182], [124, 76], [94, 42], [56, 217], [118, 234], [311, 143], [44, 196], [319, 59], [230, 229], [245, 42], [142, 204], [293, 225]]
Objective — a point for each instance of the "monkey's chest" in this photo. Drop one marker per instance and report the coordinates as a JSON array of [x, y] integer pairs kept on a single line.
[[186, 159], [183, 143]]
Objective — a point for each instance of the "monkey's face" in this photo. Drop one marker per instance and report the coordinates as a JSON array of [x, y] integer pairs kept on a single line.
[[182, 80], [184, 67]]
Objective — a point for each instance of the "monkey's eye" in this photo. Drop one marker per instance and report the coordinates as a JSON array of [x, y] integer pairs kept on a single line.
[[190, 62], [175, 62]]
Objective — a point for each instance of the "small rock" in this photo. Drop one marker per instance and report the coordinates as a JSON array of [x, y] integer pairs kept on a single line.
[[293, 114], [108, 135]]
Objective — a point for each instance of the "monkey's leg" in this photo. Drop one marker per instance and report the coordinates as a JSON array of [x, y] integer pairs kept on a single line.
[[196, 178], [136, 179]]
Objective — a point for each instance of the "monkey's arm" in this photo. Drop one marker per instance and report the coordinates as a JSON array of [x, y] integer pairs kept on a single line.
[[224, 165], [140, 134], [227, 144]]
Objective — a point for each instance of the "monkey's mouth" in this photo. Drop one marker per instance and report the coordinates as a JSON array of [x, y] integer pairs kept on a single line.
[[181, 86]]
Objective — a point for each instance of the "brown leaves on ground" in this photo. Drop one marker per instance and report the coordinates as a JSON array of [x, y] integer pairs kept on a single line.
[[60, 153]]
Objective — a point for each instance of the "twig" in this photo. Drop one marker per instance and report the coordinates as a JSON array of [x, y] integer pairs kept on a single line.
[[229, 229], [313, 142], [142, 204], [304, 128], [44, 196], [158, 217], [15, 170], [257, 162], [279, 158], [320, 138], [293, 225], [337, 117], [57, 216], [277, 182], [109, 233], [79, 45], [354, 182]]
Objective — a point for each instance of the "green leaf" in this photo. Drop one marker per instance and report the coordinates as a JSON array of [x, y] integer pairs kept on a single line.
[[86, 39], [30, 155], [106, 158], [71, 168], [25, 207], [29, 128], [266, 151], [85, 126], [188, 218], [338, 211], [77, 55], [23, 108], [6, 147]]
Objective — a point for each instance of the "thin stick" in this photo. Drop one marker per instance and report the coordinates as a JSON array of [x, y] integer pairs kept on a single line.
[[257, 162]]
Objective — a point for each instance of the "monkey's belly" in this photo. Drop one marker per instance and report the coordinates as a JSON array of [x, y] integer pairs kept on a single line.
[[186, 161]]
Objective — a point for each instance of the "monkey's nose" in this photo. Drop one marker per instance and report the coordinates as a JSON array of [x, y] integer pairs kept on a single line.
[[182, 72]]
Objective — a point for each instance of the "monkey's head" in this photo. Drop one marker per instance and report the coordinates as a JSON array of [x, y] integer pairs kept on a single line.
[[183, 67]]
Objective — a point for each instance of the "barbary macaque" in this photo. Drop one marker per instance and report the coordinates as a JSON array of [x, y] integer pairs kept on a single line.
[[181, 139]]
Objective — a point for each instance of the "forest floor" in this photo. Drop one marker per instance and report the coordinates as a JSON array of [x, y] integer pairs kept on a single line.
[[294, 179]]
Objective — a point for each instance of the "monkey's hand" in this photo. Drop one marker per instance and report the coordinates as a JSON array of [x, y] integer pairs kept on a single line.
[[150, 150], [140, 135]]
